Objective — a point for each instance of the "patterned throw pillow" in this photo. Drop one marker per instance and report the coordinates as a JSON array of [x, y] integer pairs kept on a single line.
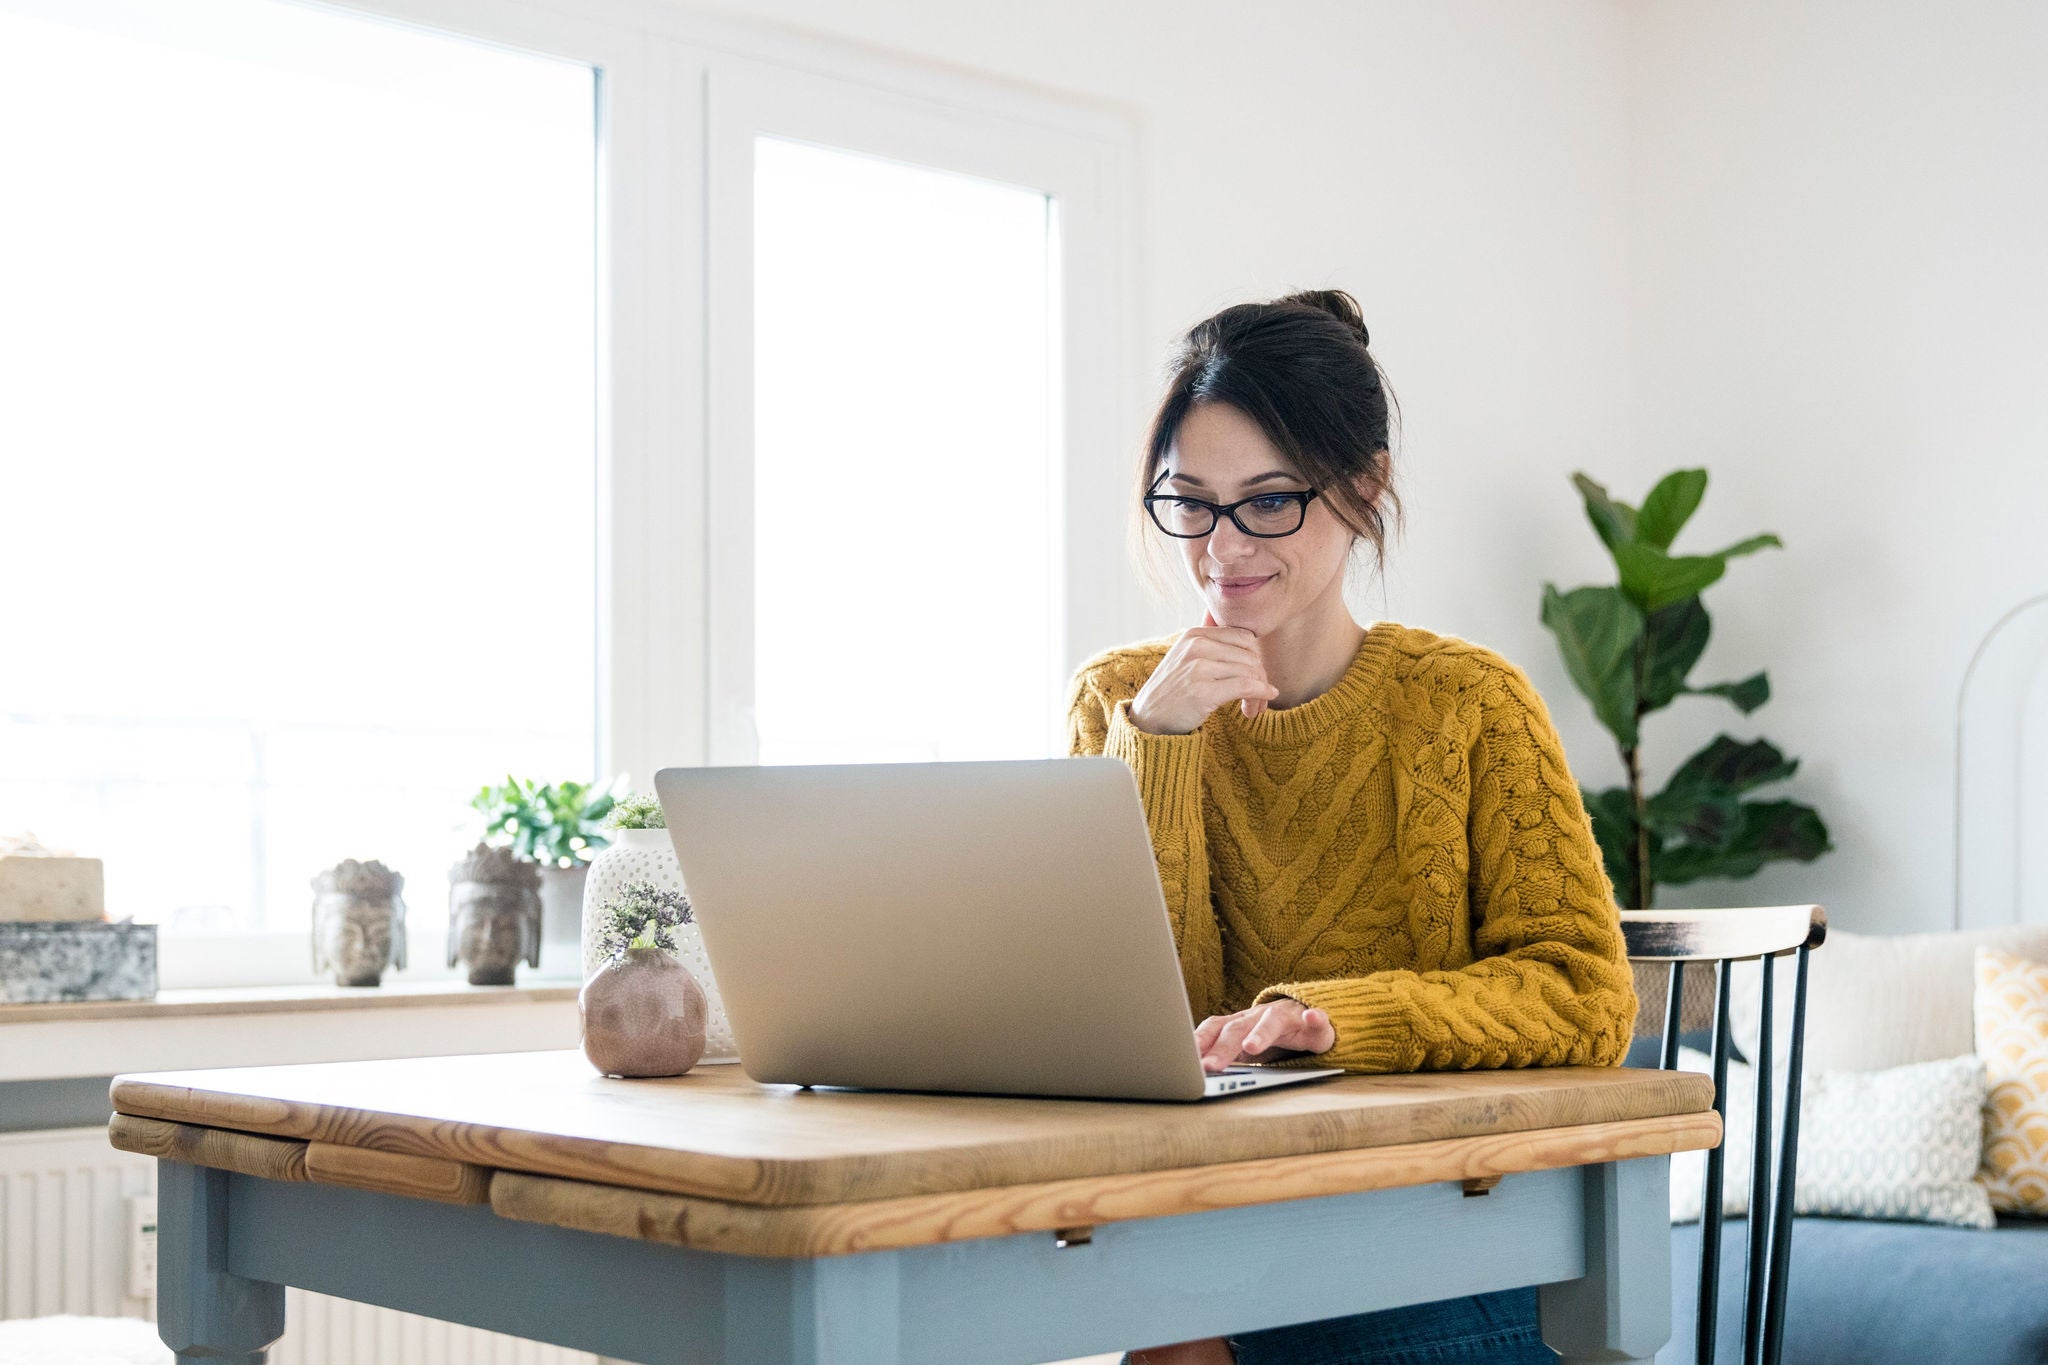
[[1899, 1144], [2012, 1038]]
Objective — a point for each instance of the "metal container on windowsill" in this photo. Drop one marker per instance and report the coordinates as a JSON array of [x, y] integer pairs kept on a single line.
[[42, 961]]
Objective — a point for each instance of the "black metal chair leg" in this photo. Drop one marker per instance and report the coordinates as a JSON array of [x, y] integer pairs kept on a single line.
[[1788, 1175], [1756, 1274], [1710, 1197]]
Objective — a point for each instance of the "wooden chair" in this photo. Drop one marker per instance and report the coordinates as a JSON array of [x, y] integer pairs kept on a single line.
[[1723, 937]]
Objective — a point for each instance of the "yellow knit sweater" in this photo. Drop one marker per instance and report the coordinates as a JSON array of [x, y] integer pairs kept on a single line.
[[1407, 852]]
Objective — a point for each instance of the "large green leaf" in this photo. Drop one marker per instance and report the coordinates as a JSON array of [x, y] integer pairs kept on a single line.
[[1770, 831], [1701, 817], [1731, 766], [1746, 694], [1674, 637], [1674, 499], [1654, 579], [1597, 629], [1614, 829], [1614, 520]]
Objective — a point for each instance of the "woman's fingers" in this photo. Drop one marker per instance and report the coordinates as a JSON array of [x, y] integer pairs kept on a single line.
[[1207, 667], [1252, 704], [1229, 1044], [1318, 1033], [1207, 644], [1292, 1027], [1282, 1026]]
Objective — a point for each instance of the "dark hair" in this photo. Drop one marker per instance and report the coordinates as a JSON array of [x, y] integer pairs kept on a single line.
[[1299, 367]]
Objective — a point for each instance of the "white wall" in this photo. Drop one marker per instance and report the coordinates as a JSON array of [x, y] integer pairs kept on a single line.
[[1841, 309], [1796, 243]]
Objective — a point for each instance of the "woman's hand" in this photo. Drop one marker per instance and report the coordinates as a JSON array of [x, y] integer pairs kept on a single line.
[[1263, 1033], [1207, 667]]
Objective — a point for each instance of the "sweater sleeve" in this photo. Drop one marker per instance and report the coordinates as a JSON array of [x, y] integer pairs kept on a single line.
[[1550, 983], [1169, 773]]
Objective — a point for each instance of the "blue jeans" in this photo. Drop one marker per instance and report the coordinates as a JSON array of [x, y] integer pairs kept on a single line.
[[1483, 1329]]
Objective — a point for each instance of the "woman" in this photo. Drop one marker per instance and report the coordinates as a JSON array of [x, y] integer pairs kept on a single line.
[[1373, 853]]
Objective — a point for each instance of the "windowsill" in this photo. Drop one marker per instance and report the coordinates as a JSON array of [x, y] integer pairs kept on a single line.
[[204, 1027], [292, 999]]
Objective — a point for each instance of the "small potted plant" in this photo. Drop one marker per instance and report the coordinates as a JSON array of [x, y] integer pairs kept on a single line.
[[637, 852], [641, 856], [558, 826], [643, 1013]]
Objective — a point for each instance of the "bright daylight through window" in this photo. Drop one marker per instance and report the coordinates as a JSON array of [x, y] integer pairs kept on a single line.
[[906, 540], [299, 445]]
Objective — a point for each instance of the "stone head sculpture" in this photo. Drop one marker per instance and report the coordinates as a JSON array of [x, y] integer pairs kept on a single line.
[[358, 922], [493, 914]]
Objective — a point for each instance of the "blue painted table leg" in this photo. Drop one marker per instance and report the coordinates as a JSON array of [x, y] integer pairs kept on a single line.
[[844, 1310], [204, 1313], [1621, 1311]]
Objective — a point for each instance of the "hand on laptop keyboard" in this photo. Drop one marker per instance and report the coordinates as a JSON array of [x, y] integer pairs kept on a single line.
[[1263, 1033]]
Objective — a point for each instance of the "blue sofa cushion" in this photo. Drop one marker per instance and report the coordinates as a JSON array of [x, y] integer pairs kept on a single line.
[[1870, 1293]]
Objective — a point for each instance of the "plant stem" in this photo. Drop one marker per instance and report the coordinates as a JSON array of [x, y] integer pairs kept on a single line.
[[1638, 804], [1645, 888]]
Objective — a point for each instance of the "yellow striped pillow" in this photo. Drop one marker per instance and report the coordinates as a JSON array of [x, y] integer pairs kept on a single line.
[[2012, 1038]]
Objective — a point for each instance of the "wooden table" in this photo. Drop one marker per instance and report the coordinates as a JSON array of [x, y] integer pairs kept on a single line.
[[710, 1219]]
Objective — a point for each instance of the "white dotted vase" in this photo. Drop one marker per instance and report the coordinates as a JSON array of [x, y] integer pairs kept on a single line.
[[645, 856]]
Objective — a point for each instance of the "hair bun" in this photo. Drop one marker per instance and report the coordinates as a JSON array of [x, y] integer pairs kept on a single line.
[[1339, 305]]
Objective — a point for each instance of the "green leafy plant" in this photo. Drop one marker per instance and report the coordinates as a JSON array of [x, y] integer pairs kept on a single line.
[[556, 824], [642, 916], [1629, 647], [635, 811]]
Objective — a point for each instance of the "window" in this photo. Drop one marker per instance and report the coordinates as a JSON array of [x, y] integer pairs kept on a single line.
[[906, 524], [299, 444], [382, 418], [920, 435]]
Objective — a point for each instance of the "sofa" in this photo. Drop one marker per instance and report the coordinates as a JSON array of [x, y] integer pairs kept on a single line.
[[1870, 1293]]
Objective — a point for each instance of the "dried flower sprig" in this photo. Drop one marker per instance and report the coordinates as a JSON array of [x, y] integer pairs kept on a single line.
[[642, 916]]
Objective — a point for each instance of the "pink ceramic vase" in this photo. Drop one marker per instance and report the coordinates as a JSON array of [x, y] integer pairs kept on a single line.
[[643, 1015]]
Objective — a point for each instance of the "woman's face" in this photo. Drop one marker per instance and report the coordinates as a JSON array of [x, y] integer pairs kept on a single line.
[[1220, 455]]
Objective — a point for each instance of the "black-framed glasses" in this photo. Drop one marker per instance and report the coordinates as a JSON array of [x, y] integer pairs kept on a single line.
[[1266, 515]]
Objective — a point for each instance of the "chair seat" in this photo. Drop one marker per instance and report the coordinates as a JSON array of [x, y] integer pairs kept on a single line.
[[81, 1341], [1872, 1293]]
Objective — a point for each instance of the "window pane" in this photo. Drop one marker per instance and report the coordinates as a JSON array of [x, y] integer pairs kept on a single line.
[[905, 532], [299, 443]]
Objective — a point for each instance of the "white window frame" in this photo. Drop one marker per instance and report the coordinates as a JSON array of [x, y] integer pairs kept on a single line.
[[680, 97], [751, 99]]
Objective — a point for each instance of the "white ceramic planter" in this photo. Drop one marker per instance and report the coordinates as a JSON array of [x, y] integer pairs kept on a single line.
[[561, 916], [646, 856]]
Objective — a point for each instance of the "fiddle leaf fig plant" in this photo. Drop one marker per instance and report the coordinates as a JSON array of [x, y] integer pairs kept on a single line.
[[1630, 648]]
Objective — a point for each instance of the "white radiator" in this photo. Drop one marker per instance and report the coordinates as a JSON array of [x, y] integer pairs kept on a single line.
[[64, 1248]]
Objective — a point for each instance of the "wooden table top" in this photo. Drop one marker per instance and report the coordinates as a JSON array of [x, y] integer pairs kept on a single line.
[[718, 1135]]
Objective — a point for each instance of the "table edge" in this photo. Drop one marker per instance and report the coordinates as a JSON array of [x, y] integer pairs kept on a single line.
[[775, 1181], [1071, 1207]]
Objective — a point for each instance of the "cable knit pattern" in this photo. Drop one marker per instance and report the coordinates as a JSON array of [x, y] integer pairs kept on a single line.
[[1407, 851]]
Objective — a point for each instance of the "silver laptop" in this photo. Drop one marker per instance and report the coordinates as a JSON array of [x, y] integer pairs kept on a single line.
[[988, 928]]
